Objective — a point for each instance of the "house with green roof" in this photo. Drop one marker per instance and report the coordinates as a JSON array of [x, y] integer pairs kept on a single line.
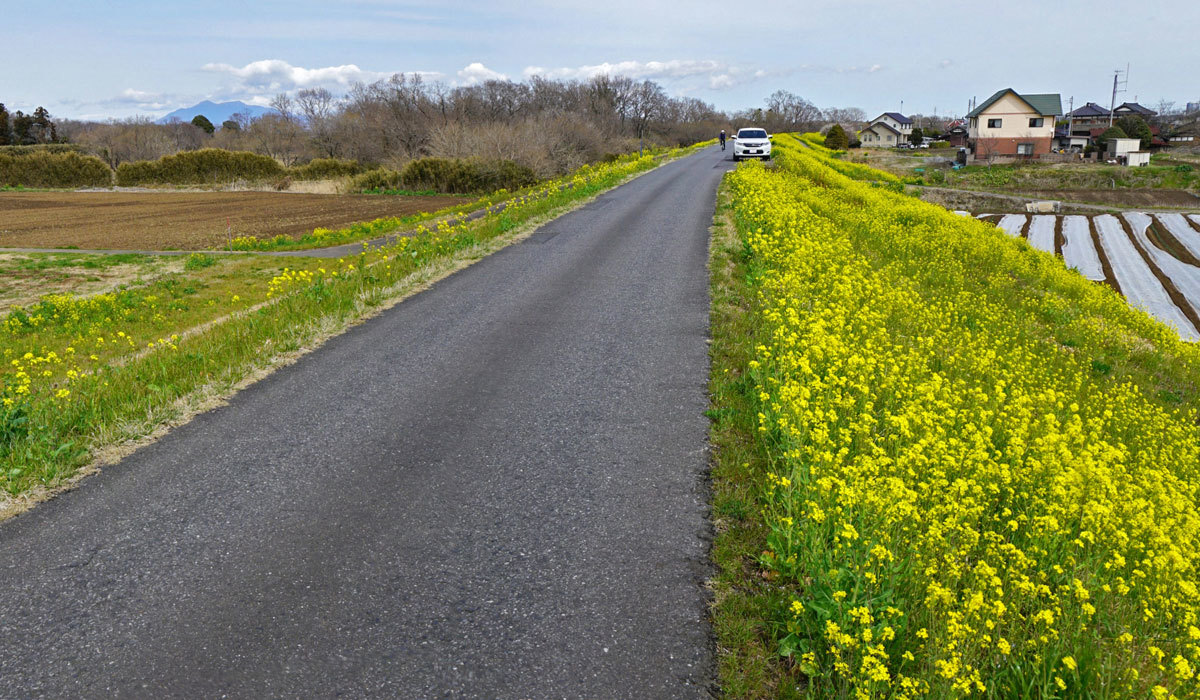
[[1012, 125]]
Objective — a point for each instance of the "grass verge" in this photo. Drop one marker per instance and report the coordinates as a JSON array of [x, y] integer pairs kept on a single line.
[[748, 663]]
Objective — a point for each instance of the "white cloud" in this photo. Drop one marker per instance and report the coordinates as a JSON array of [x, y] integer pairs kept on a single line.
[[273, 75], [142, 99], [477, 73]]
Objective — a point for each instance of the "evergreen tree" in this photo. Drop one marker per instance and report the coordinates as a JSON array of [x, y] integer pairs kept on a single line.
[[5, 128], [916, 136], [44, 130], [1115, 132], [1136, 128], [22, 128], [230, 125], [201, 122], [836, 139]]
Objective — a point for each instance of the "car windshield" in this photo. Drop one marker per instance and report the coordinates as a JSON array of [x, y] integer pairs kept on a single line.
[[752, 134]]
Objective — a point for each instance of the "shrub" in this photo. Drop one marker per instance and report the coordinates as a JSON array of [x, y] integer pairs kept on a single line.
[[326, 169], [836, 139], [449, 175], [41, 148], [201, 122], [378, 179], [205, 166], [47, 168], [940, 144], [1112, 133]]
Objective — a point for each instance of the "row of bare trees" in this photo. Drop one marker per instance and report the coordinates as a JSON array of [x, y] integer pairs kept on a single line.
[[548, 125]]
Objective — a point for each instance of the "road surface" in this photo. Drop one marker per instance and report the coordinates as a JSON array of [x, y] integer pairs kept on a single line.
[[495, 489]]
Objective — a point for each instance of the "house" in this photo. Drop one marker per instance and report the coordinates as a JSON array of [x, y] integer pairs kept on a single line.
[[880, 135], [956, 133], [1087, 117], [1009, 124], [1133, 109], [887, 130], [1186, 134]]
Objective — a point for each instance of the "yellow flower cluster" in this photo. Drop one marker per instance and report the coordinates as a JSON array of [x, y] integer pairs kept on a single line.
[[966, 498]]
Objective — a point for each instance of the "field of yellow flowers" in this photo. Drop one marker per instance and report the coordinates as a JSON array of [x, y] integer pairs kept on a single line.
[[968, 470], [82, 373]]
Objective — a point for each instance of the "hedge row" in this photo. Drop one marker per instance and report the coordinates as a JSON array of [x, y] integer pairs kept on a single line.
[[207, 166], [326, 169], [41, 148], [46, 168], [451, 176]]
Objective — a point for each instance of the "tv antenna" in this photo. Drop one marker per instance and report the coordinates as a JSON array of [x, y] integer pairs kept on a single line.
[[1119, 85]]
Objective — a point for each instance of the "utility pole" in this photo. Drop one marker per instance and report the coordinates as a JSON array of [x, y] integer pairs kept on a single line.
[[1070, 121], [1117, 82]]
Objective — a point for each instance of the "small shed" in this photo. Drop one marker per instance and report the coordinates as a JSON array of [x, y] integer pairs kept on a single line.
[[1121, 147], [1136, 158]]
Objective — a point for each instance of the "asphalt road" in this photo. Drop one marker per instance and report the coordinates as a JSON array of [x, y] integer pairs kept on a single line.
[[493, 490]]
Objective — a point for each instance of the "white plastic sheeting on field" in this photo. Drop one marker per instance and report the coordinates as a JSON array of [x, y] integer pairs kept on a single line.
[[1138, 283], [1186, 278], [1012, 224], [1078, 251], [1041, 233], [1179, 227]]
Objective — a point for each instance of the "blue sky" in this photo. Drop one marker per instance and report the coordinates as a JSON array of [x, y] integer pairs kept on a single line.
[[113, 59]]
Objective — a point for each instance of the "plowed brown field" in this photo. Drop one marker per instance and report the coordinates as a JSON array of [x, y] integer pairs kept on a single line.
[[184, 220]]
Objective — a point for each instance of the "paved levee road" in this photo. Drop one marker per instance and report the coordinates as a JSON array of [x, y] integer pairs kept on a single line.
[[493, 490]]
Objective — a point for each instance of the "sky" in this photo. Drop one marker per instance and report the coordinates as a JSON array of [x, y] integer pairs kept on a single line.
[[97, 59]]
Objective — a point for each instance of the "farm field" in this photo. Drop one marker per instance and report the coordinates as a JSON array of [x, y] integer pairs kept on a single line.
[[186, 220], [1152, 259], [947, 465]]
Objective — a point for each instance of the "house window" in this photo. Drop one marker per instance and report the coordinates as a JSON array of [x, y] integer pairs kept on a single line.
[[1024, 149], [1036, 122], [995, 123]]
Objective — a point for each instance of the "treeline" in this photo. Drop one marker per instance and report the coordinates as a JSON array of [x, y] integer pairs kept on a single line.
[[20, 129], [548, 126]]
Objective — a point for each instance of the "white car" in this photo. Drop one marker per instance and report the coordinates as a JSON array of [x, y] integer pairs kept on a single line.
[[751, 143]]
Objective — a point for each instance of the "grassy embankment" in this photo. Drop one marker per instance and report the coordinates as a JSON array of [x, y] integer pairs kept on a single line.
[[83, 374], [946, 465]]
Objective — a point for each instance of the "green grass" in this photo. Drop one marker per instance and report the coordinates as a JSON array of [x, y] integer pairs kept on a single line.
[[749, 665]]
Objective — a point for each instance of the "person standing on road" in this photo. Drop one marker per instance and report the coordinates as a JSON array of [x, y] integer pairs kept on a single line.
[[722, 139]]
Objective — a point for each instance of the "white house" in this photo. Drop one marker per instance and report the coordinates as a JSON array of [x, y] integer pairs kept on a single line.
[[888, 130]]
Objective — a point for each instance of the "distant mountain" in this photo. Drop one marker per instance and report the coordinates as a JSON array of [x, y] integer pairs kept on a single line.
[[216, 113]]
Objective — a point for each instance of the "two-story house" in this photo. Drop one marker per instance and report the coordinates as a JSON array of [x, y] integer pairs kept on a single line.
[[1009, 124], [888, 130]]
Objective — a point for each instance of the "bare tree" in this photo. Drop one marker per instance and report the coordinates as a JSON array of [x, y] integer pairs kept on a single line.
[[320, 108]]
